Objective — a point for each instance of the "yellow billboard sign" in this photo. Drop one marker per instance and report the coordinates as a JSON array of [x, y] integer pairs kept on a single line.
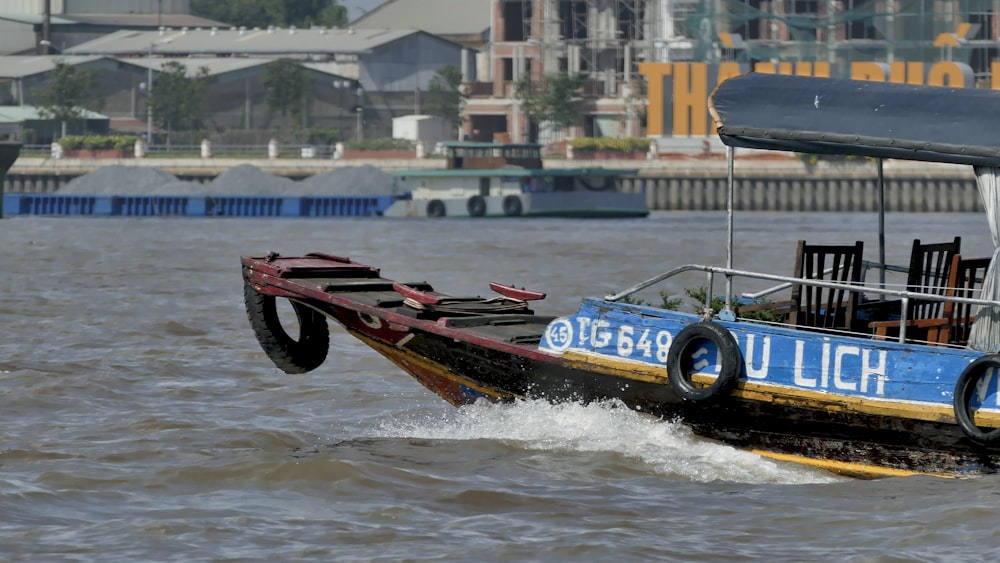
[[678, 92]]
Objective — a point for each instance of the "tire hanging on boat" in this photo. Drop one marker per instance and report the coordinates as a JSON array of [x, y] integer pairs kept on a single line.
[[435, 208], [290, 355], [965, 387], [678, 361], [476, 206], [512, 206]]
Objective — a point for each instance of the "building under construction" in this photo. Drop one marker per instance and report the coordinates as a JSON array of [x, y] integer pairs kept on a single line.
[[605, 41]]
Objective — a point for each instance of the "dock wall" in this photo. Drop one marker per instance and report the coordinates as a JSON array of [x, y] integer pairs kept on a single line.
[[762, 185]]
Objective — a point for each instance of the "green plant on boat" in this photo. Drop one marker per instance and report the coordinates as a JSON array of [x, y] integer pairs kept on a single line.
[[697, 296]]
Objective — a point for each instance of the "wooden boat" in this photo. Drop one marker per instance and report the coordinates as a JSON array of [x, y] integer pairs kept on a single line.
[[9, 150], [854, 375], [508, 180]]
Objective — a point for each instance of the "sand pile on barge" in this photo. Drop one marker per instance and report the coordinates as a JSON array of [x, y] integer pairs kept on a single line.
[[242, 180]]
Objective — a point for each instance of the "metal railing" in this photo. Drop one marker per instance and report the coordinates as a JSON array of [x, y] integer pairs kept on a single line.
[[904, 296]]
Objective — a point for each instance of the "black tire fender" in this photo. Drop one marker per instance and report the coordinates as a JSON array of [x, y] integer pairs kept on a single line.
[[435, 208], [290, 355], [476, 206], [512, 206], [678, 361], [964, 389]]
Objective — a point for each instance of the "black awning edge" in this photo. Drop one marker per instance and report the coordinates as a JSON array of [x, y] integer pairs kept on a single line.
[[852, 117]]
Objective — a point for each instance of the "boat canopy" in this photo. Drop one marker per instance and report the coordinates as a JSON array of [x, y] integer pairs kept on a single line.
[[853, 117], [873, 119]]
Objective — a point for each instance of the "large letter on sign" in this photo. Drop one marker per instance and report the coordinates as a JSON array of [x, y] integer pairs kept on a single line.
[[691, 99], [655, 73]]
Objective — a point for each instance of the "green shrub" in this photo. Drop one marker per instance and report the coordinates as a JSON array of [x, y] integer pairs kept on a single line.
[[97, 142], [624, 144], [322, 136], [380, 145], [810, 159], [697, 296]]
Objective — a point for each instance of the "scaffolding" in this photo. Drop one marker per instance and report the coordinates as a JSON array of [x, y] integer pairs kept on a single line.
[[844, 31], [606, 40]]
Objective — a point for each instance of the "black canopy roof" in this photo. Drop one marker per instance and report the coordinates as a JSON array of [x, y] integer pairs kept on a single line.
[[853, 117]]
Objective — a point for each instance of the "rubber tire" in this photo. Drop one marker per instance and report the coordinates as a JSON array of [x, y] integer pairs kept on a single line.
[[476, 206], [964, 388], [290, 355], [512, 206], [435, 208], [729, 355]]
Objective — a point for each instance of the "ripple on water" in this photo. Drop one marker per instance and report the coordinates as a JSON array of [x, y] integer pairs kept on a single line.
[[141, 421]]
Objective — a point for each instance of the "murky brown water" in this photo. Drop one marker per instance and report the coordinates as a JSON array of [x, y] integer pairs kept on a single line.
[[139, 420]]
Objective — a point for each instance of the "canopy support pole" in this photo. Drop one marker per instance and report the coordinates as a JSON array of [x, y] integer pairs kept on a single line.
[[881, 225], [727, 313]]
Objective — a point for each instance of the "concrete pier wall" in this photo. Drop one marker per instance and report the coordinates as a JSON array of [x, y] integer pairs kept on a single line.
[[762, 185], [809, 194]]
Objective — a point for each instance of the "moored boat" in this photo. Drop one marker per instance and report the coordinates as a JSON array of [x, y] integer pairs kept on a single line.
[[508, 180], [839, 368]]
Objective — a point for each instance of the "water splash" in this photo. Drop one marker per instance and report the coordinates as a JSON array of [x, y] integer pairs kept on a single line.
[[663, 447]]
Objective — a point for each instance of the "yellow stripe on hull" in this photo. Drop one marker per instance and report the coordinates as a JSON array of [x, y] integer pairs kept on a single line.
[[753, 391], [846, 468], [417, 366]]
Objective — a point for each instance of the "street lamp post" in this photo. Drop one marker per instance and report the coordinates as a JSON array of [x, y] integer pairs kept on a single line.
[[149, 89], [359, 132], [149, 98]]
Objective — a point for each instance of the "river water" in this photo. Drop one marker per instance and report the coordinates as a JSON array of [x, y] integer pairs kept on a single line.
[[140, 420]]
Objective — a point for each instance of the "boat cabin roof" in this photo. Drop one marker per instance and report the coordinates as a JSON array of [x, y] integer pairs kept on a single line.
[[508, 173], [854, 117], [480, 155]]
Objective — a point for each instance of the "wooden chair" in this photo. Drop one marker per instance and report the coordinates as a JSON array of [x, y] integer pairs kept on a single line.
[[822, 307], [953, 326], [929, 272], [968, 274]]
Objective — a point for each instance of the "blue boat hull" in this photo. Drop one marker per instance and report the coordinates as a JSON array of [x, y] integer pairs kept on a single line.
[[849, 404]]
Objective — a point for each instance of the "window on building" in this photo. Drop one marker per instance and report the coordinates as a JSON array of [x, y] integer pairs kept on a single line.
[[516, 20], [754, 26], [630, 20], [573, 19]]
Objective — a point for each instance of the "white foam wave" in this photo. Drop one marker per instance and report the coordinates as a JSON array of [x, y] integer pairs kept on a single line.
[[668, 448]]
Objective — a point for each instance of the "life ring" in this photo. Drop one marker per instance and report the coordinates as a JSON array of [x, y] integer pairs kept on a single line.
[[512, 206], [290, 355], [435, 208], [964, 388], [476, 206], [604, 185], [679, 360]]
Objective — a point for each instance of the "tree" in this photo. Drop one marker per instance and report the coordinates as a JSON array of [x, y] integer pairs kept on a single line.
[[178, 100], [445, 95], [286, 87], [264, 13], [306, 13], [249, 13], [69, 90], [555, 99]]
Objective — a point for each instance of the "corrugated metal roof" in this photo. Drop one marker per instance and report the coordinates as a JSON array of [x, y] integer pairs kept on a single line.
[[15, 66], [20, 114], [223, 65], [358, 8], [273, 41], [30, 65], [34, 19], [440, 17], [117, 20], [144, 20], [215, 66]]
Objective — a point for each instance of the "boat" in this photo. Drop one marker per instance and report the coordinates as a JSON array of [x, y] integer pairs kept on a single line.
[[508, 180], [10, 148], [851, 373]]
